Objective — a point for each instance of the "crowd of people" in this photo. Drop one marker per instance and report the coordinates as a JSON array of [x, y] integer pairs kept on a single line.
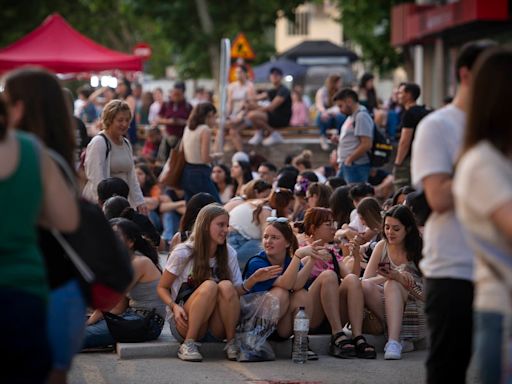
[[363, 250]]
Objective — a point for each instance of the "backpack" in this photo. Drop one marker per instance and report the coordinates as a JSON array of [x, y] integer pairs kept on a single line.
[[103, 262], [109, 147], [381, 150]]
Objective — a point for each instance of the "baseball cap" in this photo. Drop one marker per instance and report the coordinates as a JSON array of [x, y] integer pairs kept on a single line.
[[240, 156], [276, 70]]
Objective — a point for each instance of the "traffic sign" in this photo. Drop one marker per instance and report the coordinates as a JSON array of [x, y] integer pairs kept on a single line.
[[142, 50], [241, 49]]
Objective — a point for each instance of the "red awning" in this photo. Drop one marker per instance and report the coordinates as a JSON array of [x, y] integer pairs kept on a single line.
[[57, 46]]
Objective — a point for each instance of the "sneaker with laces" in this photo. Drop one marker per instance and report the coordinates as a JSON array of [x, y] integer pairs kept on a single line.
[[257, 138], [274, 138], [189, 351], [393, 350], [232, 350], [324, 143]]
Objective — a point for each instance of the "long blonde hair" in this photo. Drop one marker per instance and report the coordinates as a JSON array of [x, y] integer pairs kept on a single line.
[[201, 241]]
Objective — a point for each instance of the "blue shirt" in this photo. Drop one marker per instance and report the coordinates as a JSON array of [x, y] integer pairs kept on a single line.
[[262, 261]]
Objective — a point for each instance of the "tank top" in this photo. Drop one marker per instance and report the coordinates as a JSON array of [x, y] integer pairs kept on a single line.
[[192, 144], [21, 264], [144, 296]]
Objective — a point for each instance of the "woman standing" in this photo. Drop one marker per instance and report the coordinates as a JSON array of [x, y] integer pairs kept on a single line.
[[45, 113], [109, 154], [141, 300], [392, 278], [483, 198], [41, 197], [201, 285], [196, 145]]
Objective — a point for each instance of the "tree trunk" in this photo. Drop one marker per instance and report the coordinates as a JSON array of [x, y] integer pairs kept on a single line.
[[213, 46]]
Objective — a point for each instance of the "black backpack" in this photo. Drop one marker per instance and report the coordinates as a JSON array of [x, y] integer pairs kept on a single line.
[[380, 153]]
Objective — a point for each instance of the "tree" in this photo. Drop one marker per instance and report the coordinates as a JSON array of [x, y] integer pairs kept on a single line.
[[195, 28], [112, 23], [368, 23]]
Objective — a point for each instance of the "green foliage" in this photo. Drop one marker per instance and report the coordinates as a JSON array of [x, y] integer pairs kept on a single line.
[[181, 25], [112, 23], [368, 23]]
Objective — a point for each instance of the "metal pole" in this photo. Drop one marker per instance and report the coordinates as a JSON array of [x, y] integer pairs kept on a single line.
[[225, 61]]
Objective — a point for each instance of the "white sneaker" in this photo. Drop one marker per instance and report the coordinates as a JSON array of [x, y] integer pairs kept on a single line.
[[232, 350], [324, 143], [274, 138], [189, 351], [257, 138], [393, 350]]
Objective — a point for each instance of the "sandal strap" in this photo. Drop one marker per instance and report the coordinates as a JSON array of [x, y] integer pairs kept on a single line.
[[363, 346], [344, 342], [358, 338]]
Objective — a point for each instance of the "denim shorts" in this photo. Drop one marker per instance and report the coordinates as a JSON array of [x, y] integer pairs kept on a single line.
[[207, 338]]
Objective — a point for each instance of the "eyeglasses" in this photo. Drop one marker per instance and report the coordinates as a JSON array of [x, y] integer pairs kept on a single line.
[[273, 219]]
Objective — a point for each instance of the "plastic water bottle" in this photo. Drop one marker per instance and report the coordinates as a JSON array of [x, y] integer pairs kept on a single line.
[[300, 337]]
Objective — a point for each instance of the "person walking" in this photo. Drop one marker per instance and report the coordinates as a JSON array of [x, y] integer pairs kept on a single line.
[[483, 200], [448, 260]]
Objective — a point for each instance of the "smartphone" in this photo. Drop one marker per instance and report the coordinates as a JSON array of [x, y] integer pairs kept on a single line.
[[384, 265]]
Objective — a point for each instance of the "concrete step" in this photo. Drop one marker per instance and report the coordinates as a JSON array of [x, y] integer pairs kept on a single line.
[[167, 346]]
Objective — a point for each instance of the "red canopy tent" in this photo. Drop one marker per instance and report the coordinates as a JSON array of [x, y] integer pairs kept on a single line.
[[57, 46]]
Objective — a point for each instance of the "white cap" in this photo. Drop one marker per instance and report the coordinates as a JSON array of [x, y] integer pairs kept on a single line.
[[240, 156]]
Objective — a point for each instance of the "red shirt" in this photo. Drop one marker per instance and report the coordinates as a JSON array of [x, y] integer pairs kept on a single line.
[[179, 110]]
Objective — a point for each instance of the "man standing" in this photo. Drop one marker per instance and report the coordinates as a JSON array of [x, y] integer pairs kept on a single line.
[[174, 114], [356, 138], [448, 260], [407, 95], [277, 114]]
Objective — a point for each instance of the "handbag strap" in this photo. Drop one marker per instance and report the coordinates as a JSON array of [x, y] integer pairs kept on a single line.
[[80, 265]]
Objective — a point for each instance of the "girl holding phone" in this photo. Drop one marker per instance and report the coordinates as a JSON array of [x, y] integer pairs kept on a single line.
[[392, 278]]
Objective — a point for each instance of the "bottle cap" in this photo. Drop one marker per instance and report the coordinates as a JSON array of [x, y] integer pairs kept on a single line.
[[302, 308]]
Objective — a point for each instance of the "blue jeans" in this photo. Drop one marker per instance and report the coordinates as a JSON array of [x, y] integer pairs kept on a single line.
[[97, 335], [489, 346], [171, 224], [27, 357], [66, 314], [355, 173], [245, 249], [196, 178], [335, 121]]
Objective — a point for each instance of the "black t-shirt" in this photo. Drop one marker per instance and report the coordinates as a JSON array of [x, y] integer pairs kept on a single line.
[[285, 109], [411, 118]]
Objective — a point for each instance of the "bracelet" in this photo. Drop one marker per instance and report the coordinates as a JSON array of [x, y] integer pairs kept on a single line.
[[244, 287]]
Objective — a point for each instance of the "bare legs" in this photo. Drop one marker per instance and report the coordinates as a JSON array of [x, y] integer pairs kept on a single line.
[[260, 121], [325, 301], [395, 297], [212, 306], [288, 306], [352, 303]]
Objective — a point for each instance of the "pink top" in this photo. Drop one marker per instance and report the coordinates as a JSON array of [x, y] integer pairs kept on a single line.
[[300, 115], [321, 265]]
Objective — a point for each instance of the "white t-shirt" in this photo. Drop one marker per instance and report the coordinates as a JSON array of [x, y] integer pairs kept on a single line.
[[180, 264], [483, 183], [435, 148]]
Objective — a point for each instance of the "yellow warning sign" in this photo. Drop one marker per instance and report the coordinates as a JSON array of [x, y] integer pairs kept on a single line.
[[241, 49]]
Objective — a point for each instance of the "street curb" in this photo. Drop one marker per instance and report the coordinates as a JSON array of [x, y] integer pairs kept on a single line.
[[167, 346]]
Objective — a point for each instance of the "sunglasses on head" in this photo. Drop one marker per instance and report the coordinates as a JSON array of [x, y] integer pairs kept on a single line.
[[273, 219]]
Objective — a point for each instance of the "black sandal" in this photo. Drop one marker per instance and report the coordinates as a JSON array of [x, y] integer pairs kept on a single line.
[[342, 348], [363, 349]]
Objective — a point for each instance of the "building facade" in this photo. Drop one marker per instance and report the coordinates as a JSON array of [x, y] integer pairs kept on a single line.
[[432, 32]]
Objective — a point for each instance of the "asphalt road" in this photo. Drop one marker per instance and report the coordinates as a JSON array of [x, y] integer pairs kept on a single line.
[[106, 368]]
